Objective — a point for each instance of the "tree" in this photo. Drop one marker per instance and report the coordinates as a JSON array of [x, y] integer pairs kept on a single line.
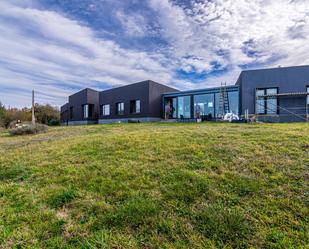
[[47, 114], [2, 114]]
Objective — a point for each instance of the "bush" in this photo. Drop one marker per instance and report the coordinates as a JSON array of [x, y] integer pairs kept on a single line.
[[54, 122], [45, 114], [29, 129]]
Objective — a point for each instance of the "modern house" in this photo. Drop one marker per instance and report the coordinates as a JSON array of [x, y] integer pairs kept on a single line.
[[82, 108], [270, 95], [137, 102]]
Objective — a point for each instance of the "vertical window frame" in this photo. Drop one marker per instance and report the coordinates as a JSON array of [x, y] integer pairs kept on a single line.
[[85, 108], [106, 110], [265, 100], [135, 106], [307, 99], [120, 111]]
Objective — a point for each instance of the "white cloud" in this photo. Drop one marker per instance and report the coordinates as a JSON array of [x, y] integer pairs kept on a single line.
[[54, 54], [277, 32], [133, 25], [49, 48]]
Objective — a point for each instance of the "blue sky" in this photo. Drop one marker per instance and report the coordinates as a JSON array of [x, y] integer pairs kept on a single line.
[[57, 47]]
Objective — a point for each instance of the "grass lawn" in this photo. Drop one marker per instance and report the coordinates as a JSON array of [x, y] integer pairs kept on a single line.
[[209, 185]]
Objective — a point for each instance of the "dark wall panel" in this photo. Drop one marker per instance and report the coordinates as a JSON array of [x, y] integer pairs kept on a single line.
[[77, 100], [291, 79], [155, 98], [148, 92], [137, 91]]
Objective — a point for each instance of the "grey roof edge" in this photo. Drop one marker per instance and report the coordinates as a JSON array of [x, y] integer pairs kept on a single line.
[[85, 89], [136, 83], [157, 83], [273, 68], [201, 90]]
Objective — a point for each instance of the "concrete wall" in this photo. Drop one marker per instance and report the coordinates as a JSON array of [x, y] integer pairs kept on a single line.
[[290, 79]]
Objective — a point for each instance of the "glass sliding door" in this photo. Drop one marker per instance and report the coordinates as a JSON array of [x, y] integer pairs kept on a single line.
[[204, 104], [170, 108], [217, 108], [184, 107], [234, 102]]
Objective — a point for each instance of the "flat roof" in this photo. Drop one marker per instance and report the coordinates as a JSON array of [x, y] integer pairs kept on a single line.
[[274, 68], [137, 83], [202, 91]]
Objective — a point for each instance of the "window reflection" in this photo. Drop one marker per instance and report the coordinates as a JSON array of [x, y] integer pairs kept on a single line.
[[184, 107], [234, 102], [204, 105]]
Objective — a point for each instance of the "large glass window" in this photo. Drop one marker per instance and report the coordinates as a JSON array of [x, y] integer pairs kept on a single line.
[[86, 111], [105, 110], [307, 95], [272, 103], [184, 107], [135, 106], [266, 105], [204, 105], [120, 108], [138, 106], [260, 102], [234, 102], [217, 104]]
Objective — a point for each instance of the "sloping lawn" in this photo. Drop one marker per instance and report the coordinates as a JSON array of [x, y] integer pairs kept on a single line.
[[209, 185]]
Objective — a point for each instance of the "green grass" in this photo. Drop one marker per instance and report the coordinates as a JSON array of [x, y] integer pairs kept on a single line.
[[209, 185]]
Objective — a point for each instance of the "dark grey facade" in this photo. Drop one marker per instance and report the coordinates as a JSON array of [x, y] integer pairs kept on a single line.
[[270, 95], [148, 95], [64, 114], [75, 111], [285, 108]]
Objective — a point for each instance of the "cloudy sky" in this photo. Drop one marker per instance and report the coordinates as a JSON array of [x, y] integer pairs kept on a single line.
[[57, 47]]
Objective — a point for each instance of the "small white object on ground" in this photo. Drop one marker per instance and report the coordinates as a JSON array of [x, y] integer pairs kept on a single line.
[[230, 117]]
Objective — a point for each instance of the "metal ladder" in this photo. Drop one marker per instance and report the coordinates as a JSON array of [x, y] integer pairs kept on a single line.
[[224, 106]]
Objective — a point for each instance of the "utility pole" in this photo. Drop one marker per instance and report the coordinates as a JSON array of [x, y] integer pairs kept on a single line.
[[33, 117]]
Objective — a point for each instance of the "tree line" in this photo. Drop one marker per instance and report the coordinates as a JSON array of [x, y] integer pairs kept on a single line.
[[44, 114]]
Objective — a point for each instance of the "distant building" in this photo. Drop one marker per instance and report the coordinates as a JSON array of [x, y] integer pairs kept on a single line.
[[270, 95]]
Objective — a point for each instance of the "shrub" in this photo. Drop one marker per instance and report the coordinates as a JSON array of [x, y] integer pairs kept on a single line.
[[44, 114], [29, 129], [54, 122]]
